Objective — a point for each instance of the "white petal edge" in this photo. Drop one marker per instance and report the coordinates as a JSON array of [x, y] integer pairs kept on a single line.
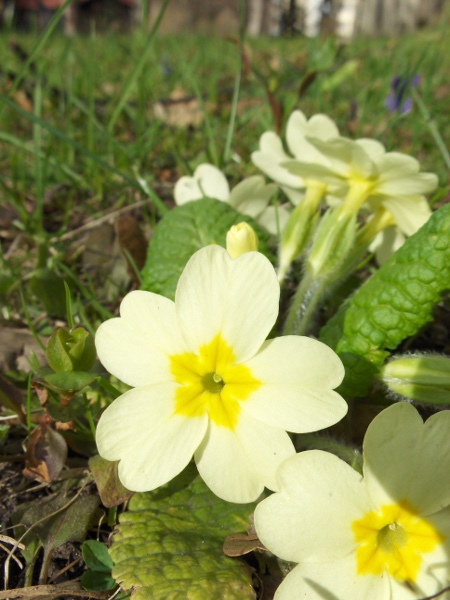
[[334, 580], [152, 444], [269, 157], [237, 465], [298, 376], [310, 519], [236, 298], [407, 459], [135, 347], [409, 212]]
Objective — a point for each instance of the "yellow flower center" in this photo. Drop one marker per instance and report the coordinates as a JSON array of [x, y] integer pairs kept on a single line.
[[211, 382], [394, 540]]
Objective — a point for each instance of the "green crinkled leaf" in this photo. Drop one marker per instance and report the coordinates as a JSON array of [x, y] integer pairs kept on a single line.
[[169, 544], [183, 231], [395, 303]]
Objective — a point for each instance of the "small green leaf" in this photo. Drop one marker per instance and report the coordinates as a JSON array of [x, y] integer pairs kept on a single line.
[[395, 303], [96, 556], [71, 381], [96, 580], [183, 231], [169, 544]]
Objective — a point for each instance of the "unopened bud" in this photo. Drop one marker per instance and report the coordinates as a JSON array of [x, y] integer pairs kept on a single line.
[[241, 238], [422, 378], [71, 350]]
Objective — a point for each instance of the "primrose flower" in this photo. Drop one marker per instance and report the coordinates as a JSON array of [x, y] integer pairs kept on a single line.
[[208, 385], [250, 197], [384, 536], [369, 175], [270, 157]]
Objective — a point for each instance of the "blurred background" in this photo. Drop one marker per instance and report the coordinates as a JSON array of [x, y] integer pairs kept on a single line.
[[346, 18]]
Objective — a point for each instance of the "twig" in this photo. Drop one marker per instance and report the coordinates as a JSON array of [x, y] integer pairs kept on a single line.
[[66, 568], [97, 222], [54, 591]]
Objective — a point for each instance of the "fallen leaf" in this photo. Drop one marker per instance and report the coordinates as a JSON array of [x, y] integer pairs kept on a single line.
[[46, 452], [112, 492]]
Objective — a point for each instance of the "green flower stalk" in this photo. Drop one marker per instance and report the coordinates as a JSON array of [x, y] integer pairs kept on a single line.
[[300, 227], [331, 246], [419, 377]]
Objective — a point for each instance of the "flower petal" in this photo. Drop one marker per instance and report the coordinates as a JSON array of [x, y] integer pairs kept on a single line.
[[434, 572], [318, 126], [136, 346], [152, 444], [207, 181], [386, 243], [372, 148], [252, 195], [336, 580], [399, 175], [407, 459], [310, 520], [236, 298], [409, 212], [298, 375], [237, 464], [269, 157]]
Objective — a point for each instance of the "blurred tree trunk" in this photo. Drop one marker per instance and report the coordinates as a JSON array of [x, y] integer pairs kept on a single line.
[[255, 17], [391, 17], [275, 17]]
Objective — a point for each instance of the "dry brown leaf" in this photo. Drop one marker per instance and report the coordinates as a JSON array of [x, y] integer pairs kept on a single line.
[[46, 452], [181, 110], [16, 347], [238, 544]]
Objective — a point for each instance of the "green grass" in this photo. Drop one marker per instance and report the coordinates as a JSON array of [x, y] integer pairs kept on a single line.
[[80, 128]]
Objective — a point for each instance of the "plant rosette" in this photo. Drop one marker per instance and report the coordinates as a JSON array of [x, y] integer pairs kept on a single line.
[[250, 197], [207, 383], [383, 536]]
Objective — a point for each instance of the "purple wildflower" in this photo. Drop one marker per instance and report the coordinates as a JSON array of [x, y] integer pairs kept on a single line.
[[397, 100]]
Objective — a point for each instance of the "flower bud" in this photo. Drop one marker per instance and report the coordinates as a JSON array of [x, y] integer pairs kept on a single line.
[[241, 238], [421, 378], [71, 350], [334, 238]]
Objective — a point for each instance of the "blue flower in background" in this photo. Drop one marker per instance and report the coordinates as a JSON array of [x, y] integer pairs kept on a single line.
[[398, 101]]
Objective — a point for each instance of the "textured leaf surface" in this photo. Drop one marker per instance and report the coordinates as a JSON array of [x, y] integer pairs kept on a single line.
[[183, 231], [169, 544], [392, 305]]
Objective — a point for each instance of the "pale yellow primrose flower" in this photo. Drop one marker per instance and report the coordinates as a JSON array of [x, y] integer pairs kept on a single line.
[[208, 385], [384, 536], [372, 178], [250, 197], [271, 155]]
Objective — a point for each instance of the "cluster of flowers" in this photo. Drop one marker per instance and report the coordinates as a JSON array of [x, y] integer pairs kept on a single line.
[[206, 383], [323, 167]]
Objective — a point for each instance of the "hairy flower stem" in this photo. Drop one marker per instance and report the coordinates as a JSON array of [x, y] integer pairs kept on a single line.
[[308, 295], [300, 227]]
